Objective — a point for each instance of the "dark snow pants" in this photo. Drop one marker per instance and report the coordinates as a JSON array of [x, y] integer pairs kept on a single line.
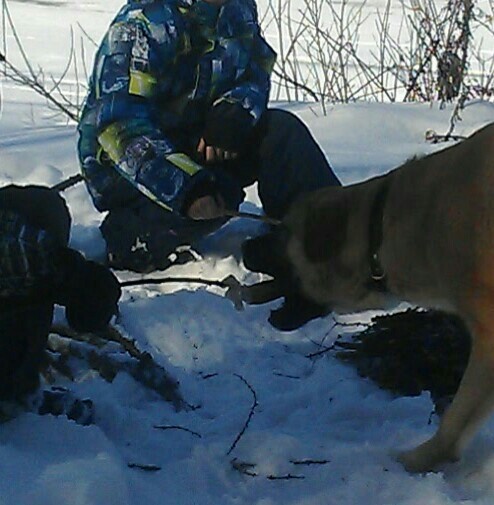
[[25, 320], [283, 158]]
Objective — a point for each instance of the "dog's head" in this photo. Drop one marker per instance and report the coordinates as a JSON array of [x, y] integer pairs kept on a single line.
[[316, 229], [267, 254], [302, 255], [319, 256], [305, 257], [327, 248]]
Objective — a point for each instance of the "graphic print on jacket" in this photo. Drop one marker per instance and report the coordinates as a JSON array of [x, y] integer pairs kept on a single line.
[[161, 66]]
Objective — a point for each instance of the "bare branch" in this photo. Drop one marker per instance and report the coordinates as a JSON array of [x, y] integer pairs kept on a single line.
[[249, 417], [180, 428]]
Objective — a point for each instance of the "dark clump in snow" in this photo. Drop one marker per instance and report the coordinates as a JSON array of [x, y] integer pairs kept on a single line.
[[410, 352]]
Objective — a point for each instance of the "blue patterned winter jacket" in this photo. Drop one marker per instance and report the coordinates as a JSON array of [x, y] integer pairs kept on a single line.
[[34, 229], [26, 256], [160, 67]]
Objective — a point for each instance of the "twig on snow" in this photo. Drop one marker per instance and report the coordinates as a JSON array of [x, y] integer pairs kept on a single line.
[[173, 427], [309, 462], [208, 376], [180, 280], [287, 376], [322, 351], [326, 349], [243, 467], [146, 467], [232, 285], [248, 468], [249, 417], [288, 476]]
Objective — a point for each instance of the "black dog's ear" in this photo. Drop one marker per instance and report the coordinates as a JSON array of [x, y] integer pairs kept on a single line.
[[325, 228]]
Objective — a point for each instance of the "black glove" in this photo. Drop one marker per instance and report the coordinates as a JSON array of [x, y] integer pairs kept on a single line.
[[228, 126], [267, 254], [89, 292]]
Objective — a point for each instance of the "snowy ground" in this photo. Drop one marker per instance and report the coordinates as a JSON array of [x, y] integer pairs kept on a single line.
[[307, 409]]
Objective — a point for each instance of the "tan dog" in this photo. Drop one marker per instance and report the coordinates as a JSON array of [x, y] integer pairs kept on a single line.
[[423, 233]]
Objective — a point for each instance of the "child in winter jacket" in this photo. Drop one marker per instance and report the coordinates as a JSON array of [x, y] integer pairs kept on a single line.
[[176, 124]]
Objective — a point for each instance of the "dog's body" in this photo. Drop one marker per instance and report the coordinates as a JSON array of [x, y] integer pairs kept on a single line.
[[426, 228]]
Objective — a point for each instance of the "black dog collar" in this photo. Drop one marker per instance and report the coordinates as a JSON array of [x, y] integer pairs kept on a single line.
[[377, 279]]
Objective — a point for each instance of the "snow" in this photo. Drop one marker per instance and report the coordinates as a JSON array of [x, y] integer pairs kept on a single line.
[[307, 409]]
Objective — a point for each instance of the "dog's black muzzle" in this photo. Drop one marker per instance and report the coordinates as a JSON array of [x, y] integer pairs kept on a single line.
[[267, 254]]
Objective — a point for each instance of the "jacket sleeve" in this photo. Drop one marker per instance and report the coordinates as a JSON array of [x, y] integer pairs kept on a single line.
[[238, 67], [251, 92], [139, 47]]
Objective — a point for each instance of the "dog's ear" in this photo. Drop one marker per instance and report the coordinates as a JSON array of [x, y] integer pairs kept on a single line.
[[325, 228]]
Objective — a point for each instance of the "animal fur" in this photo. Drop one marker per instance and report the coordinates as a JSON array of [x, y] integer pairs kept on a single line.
[[437, 251]]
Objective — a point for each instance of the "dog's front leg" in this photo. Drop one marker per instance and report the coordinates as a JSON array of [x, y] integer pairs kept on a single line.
[[473, 401]]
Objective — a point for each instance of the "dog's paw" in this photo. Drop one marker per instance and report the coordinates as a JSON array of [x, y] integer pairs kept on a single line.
[[296, 311], [427, 457]]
